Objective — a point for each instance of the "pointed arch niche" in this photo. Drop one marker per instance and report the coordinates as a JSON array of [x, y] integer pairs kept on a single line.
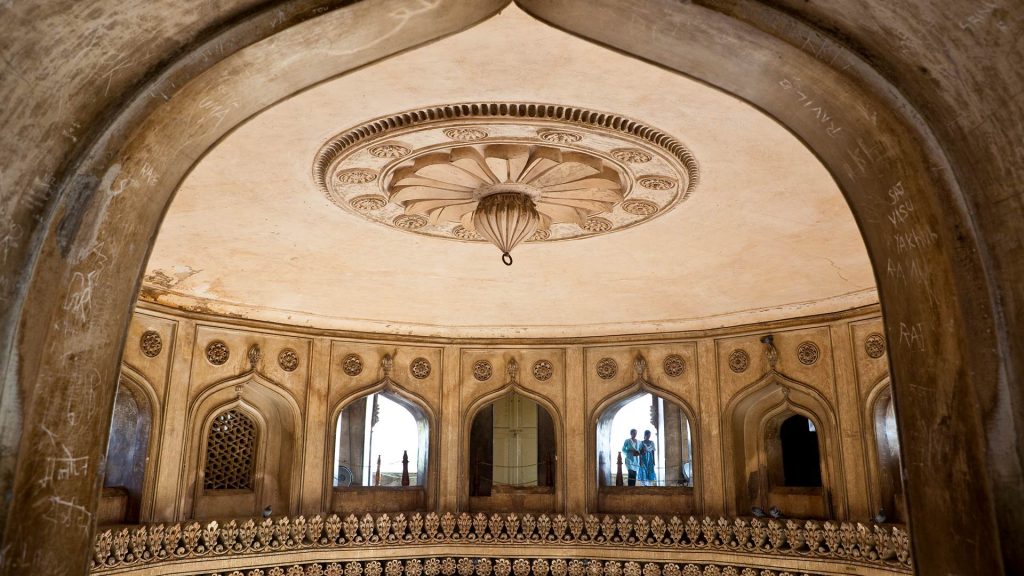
[[275, 449], [883, 450], [382, 423], [671, 421], [513, 449], [127, 480], [773, 429]]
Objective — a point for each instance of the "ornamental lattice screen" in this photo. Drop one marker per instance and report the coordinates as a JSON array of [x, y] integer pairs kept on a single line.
[[230, 452]]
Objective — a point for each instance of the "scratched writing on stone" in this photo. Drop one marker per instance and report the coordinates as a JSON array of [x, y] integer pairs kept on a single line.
[[61, 468], [863, 157], [812, 106], [65, 512], [912, 335]]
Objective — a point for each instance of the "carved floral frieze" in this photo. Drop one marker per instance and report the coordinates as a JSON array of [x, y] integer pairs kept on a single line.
[[857, 544]]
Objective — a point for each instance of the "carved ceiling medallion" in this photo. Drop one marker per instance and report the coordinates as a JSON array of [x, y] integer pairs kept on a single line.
[[426, 171]]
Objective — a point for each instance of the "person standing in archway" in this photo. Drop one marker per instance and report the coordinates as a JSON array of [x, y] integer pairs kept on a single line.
[[631, 452], [648, 474]]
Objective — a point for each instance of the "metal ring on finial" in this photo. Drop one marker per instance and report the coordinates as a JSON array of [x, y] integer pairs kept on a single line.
[[506, 258]]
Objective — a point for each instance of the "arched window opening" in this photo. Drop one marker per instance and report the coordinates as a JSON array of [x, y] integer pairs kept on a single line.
[[645, 441], [381, 440], [887, 456], [127, 453], [512, 455], [801, 455], [230, 452]]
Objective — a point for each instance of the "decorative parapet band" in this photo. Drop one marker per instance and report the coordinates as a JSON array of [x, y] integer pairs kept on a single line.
[[886, 547]]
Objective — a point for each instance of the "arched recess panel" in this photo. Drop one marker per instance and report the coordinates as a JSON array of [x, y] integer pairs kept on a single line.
[[884, 455], [127, 478], [755, 465], [275, 454], [363, 432], [512, 447], [673, 430]]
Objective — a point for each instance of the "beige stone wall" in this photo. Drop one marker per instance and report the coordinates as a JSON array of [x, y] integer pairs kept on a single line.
[[300, 406]]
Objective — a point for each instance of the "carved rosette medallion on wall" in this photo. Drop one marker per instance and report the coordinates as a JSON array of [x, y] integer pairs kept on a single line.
[[739, 360], [674, 365], [424, 171], [352, 365], [217, 352], [482, 370], [808, 353], [607, 368], [420, 368], [543, 370], [874, 345], [288, 360], [151, 343]]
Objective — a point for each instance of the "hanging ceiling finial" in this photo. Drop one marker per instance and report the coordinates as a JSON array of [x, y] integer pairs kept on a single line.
[[254, 355]]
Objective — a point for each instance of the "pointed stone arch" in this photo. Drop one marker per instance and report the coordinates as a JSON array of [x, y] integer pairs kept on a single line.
[[750, 418], [131, 446], [952, 358], [687, 501], [278, 445], [883, 451], [426, 466], [511, 387]]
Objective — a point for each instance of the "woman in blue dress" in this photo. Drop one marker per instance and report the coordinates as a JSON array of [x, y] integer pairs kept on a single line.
[[647, 475]]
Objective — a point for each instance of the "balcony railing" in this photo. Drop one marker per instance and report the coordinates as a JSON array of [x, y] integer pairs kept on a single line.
[[503, 544]]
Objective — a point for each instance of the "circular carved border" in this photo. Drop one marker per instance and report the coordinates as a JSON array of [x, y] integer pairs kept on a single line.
[[217, 353], [543, 370], [352, 365], [808, 353], [420, 368], [288, 359], [151, 343], [482, 370], [572, 116], [874, 345], [607, 368], [739, 360], [674, 365]]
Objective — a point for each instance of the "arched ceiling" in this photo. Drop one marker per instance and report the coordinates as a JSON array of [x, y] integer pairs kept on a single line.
[[765, 235]]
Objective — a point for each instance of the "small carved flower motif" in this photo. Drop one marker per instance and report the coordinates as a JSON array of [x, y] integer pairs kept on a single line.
[[631, 155], [807, 353], [639, 207], [540, 236], [420, 368], [559, 136], [739, 360], [465, 134], [463, 233], [596, 224], [674, 365], [355, 176], [607, 368], [482, 370], [288, 360], [543, 370], [368, 202], [657, 182], [390, 150], [410, 221], [217, 352], [151, 343], [352, 365], [875, 345]]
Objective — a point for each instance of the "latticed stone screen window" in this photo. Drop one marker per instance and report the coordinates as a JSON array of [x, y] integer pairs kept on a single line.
[[230, 452]]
